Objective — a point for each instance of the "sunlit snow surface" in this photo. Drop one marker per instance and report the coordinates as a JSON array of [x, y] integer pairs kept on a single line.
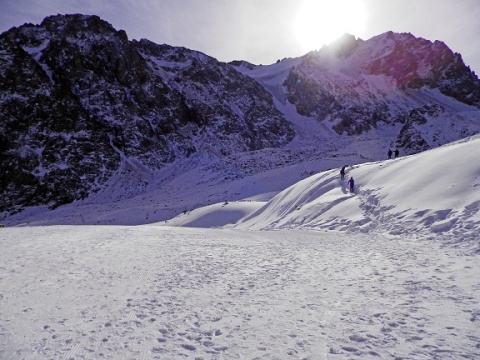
[[151, 292], [432, 194], [313, 271]]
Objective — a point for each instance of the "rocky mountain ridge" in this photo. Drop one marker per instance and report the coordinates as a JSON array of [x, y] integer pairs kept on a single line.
[[356, 87], [81, 106], [79, 99]]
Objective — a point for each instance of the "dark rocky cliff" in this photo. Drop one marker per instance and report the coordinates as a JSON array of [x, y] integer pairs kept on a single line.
[[77, 98]]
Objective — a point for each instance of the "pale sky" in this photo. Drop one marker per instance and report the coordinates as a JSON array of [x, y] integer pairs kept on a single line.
[[263, 31]]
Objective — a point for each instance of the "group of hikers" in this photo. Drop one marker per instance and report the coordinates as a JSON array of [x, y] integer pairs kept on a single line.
[[351, 182], [390, 152]]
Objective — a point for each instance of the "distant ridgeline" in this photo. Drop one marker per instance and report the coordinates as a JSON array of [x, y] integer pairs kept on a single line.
[[80, 103]]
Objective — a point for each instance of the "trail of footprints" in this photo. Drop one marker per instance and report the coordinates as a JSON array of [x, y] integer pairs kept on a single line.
[[352, 300]]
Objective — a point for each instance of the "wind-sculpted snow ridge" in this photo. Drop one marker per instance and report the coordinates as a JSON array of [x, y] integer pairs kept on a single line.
[[435, 193]]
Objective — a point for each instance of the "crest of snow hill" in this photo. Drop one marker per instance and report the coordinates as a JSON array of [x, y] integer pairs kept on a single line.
[[80, 104]]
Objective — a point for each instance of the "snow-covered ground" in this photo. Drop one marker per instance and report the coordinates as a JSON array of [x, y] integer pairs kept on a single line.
[[432, 194], [151, 292], [308, 271]]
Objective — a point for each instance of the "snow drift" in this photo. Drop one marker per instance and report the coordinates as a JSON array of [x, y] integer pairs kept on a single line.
[[434, 192]]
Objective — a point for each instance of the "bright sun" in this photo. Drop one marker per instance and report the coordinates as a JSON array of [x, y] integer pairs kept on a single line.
[[320, 22]]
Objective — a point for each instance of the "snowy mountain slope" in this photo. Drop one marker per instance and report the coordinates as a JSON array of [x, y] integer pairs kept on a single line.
[[141, 132], [393, 86], [137, 198], [432, 193], [339, 276], [79, 103]]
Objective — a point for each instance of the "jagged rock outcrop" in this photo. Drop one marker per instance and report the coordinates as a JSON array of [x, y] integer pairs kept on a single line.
[[213, 95], [415, 62], [354, 84]]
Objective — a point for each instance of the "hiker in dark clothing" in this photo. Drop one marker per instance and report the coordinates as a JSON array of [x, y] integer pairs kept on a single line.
[[396, 153], [389, 153], [351, 182], [342, 173]]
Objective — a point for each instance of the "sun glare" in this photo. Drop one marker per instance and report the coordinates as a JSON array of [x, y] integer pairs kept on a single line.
[[320, 22]]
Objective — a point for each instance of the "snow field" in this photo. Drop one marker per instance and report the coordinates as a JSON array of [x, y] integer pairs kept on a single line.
[[152, 292], [430, 195]]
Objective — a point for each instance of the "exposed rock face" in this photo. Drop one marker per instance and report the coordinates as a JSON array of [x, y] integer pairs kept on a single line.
[[226, 111], [415, 62], [77, 98], [355, 84]]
